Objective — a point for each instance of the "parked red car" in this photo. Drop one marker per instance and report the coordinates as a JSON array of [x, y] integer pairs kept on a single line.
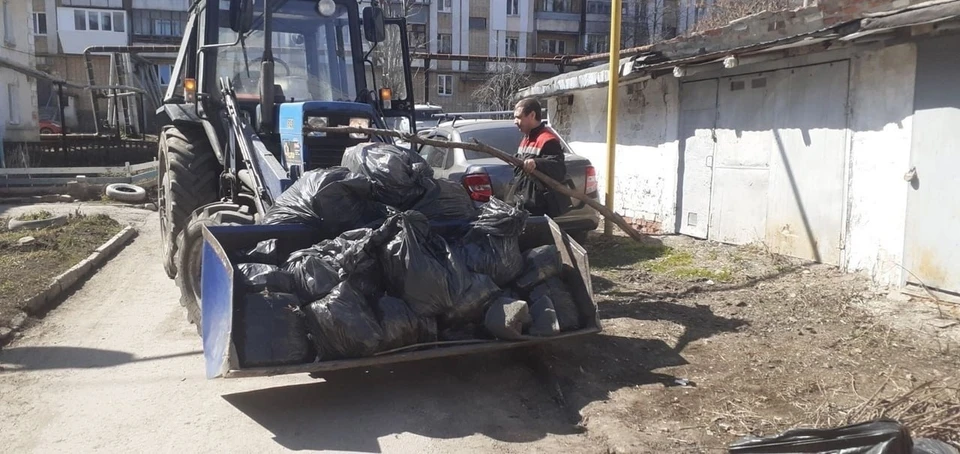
[[50, 127]]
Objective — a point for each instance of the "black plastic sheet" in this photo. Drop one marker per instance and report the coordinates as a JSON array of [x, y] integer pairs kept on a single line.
[[873, 437], [342, 325], [332, 201], [539, 264], [492, 244], [271, 331], [400, 177], [401, 326], [568, 315], [257, 277]]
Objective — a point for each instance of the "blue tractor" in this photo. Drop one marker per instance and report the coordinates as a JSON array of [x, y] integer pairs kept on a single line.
[[253, 80]]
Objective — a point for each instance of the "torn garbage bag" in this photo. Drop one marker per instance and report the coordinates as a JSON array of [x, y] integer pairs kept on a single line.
[[492, 244], [257, 277], [399, 176], [342, 325], [332, 201], [271, 331], [401, 326]]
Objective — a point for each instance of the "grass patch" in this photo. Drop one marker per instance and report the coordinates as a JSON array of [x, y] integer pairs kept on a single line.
[[682, 265], [608, 253], [25, 271], [35, 216]]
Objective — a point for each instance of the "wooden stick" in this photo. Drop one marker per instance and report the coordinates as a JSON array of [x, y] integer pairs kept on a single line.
[[508, 158]]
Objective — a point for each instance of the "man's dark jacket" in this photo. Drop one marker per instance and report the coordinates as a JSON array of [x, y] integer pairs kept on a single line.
[[543, 146]]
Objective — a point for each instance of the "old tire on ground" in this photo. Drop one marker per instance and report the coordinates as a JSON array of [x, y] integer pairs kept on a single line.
[[53, 221], [191, 245], [187, 177], [123, 192]]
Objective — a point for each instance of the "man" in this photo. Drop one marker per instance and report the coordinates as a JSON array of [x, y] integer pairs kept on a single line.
[[539, 149]]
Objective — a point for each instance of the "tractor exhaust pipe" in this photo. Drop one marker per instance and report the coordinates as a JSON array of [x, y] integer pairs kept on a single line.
[[266, 72]]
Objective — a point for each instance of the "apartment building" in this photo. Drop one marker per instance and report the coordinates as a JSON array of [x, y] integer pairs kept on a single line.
[[18, 114], [63, 29]]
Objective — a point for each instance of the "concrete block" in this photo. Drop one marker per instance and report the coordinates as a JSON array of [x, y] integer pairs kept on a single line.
[[17, 321], [5, 334], [39, 302]]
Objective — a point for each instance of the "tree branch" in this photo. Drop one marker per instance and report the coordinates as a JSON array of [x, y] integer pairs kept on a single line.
[[508, 158]]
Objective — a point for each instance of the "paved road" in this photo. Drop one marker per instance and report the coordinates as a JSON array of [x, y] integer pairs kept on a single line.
[[116, 368]]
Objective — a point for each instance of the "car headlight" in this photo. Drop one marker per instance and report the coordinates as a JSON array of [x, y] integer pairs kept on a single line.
[[359, 123], [317, 122]]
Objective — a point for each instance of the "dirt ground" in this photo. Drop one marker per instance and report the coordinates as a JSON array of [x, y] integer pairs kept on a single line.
[[705, 343], [25, 270]]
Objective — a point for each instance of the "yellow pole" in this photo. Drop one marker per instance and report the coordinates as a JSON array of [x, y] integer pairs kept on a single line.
[[612, 109]]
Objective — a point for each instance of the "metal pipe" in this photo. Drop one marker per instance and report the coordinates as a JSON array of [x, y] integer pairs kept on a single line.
[[606, 55], [612, 111]]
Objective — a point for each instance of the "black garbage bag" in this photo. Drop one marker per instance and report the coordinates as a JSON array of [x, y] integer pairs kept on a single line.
[[492, 245], [264, 252], [400, 177], [539, 264], [568, 315], [257, 277], [545, 322], [881, 436], [931, 446], [461, 332], [352, 255], [332, 201], [506, 318], [315, 272], [419, 267], [445, 200], [471, 304], [401, 326], [342, 325], [270, 330]]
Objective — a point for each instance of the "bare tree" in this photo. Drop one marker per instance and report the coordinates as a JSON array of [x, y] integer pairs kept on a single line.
[[722, 12], [499, 91], [388, 55]]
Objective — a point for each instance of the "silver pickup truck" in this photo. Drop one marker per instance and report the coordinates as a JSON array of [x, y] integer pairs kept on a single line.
[[484, 175]]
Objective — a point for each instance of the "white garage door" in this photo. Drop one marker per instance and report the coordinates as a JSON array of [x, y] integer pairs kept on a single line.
[[778, 168]]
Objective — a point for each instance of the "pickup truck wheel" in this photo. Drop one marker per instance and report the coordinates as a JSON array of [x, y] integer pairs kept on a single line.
[[190, 248], [187, 177]]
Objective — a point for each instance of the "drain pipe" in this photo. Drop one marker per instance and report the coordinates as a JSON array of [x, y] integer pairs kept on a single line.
[[115, 49]]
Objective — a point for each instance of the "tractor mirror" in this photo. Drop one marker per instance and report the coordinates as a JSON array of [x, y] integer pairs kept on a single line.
[[241, 15], [373, 28]]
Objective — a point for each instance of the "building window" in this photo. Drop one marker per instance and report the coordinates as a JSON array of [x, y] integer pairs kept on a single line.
[[553, 46], [598, 8], [445, 6], [13, 103], [417, 36], [444, 43], [158, 23], [79, 20], [556, 6], [163, 74], [513, 7], [119, 22], [445, 85], [93, 20], [597, 44], [39, 24], [512, 47], [478, 23], [9, 37]]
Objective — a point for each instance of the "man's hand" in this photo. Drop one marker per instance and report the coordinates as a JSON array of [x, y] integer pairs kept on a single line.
[[529, 165]]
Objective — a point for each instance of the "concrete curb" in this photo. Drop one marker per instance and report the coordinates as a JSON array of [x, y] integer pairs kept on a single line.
[[50, 296]]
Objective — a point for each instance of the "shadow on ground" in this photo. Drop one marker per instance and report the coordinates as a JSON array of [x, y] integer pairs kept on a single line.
[[49, 358], [514, 397]]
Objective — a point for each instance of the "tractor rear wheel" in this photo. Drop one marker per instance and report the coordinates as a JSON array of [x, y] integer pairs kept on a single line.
[[187, 177], [191, 247]]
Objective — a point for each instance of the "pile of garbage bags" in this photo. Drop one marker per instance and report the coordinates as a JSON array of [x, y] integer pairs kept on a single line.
[[411, 261]]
